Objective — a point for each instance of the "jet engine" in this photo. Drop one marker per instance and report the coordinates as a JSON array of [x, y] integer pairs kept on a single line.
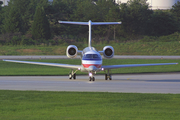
[[108, 51], [71, 51]]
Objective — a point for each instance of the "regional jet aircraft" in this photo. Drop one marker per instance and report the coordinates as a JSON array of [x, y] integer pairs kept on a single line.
[[91, 58]]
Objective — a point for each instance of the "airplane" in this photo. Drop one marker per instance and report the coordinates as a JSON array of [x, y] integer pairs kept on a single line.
[[91, 58]]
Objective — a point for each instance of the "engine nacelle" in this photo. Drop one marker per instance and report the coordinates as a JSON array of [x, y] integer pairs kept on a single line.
[[71, 51], [108, 51]]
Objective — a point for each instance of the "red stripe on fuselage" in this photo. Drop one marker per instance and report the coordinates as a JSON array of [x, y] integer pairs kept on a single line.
[[87, 65]]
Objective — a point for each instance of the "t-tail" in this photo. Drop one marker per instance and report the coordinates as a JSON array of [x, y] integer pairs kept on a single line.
[[90, 23]]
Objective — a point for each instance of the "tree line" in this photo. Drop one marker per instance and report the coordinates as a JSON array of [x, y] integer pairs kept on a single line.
[[33, 22]]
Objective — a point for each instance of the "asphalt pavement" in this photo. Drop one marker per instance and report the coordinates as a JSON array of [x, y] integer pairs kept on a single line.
[[139, 83]]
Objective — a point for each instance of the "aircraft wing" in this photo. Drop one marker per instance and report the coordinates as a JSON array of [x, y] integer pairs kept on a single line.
[[105, 67], [48, 64]]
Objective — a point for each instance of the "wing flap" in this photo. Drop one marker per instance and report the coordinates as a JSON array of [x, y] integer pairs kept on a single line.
[[47, 64], [134, 65]]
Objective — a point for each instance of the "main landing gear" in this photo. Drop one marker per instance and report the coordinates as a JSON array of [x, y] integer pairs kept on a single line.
[[72, 74], [108, 76]]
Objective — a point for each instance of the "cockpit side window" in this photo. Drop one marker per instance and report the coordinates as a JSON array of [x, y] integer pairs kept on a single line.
[[95, 56]]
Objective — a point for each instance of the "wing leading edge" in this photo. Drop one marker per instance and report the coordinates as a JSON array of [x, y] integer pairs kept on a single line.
[[48, 64], [134, 65], [105, 67]]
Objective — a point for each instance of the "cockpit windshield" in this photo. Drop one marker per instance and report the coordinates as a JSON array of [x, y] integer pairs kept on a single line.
[[91, 56]]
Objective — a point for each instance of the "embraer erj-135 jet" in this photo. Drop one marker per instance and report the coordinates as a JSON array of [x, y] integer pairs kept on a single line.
[[91, 58]]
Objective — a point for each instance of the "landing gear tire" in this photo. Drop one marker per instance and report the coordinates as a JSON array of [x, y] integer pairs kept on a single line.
[[106, 78], [91, 78], [74, 76], [70, 76], [110, 77]]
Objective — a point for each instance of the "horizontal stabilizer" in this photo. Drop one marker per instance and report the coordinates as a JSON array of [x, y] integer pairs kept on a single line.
[[105, 23], [90, 23], [77, 23]]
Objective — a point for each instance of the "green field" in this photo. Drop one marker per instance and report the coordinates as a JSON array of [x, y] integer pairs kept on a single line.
[[37, 105], [121, 48], [8, 68]]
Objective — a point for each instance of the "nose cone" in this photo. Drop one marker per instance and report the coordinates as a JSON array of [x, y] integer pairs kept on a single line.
[[92, 68]]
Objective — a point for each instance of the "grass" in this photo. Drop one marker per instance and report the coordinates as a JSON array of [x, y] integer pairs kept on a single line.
[[121, 48], [14, 69], [35, 105]]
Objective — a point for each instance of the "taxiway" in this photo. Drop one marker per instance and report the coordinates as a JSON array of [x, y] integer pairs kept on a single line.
[[130, 83]]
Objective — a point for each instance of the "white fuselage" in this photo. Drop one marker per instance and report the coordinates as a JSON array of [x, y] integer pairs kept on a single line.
[[91, 60]]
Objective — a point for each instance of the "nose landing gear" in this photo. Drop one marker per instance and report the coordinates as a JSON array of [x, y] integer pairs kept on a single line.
[[91, 77]]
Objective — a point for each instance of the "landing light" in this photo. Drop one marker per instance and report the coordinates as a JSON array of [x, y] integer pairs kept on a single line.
[[79, 68], [102, 69], [90, 74]]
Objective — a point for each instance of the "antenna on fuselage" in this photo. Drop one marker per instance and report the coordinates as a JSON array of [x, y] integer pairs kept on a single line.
[[90, 23]]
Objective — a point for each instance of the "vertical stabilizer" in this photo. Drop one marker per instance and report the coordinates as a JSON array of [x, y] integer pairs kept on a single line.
[[90, 23]]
